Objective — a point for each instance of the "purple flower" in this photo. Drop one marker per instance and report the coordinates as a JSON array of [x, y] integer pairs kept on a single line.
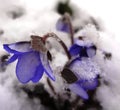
[[31, 63], [82, 49], [81, 76], [63, 25]]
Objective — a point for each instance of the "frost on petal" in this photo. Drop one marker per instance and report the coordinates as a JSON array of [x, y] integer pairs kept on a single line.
[[18, 47], [12, 59], [27, 66], [39, 73], [61, 25], [85, 69], [88, 84], [91, 51], [75, 50], [45, 63], [77, 89]]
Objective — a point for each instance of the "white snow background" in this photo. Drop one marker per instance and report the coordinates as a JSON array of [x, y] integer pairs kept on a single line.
[[39, 17]]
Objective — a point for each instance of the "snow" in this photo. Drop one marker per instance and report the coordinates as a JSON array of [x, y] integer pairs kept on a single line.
[[39, 17]]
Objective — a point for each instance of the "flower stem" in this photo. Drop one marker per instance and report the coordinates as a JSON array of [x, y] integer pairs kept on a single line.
[[67, 18], [51, 86], [53, 35]]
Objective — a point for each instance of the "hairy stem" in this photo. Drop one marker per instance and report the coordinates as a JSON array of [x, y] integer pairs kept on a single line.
[[53, 35], [67, 17]]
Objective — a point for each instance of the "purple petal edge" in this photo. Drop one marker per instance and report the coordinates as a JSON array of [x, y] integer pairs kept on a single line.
[[77, 89], [12, 59], [6, 47], [47, 68], [18, 47]]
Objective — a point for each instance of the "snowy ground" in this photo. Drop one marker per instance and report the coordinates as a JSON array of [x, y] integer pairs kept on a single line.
[[39, 17]]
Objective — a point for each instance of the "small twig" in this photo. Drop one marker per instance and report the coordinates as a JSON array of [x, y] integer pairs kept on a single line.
[[51, 86]]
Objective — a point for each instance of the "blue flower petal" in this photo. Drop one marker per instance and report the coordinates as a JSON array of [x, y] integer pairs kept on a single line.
[[39, 73], [47, 68], [75, 49], [87, 50], [88, 84], [91, 51], [27, 65], [18, 47], [62, 26], [77, 89], [6, 47], [12, 59]]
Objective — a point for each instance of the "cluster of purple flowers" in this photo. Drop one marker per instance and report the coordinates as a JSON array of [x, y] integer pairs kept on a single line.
[[79, 73]]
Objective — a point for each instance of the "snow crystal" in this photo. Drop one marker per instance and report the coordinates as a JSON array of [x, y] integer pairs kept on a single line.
[[85, 69]]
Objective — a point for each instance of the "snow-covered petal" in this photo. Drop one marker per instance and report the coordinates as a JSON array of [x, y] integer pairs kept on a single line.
[[88, 84], [91, 51], [39, 73], [75, 50], [61, 25], [77, 89], [18, 47], [85, 68], [12, 59], [47, 68], [27, 66]]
